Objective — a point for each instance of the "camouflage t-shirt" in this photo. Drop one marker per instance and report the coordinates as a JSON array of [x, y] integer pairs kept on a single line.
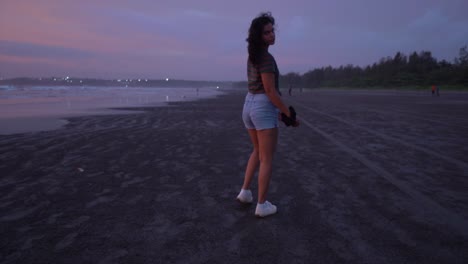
[[267, 64]]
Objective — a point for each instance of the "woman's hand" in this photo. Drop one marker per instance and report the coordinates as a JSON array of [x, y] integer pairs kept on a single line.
[[290, 120]]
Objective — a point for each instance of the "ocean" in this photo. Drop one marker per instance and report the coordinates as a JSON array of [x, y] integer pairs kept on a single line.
[[40, 108]]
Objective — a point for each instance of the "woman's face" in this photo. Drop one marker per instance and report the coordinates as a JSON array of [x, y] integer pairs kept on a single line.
[[268, 34]]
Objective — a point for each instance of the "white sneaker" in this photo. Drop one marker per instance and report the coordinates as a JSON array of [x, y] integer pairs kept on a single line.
[[245, 196], [265, 209]]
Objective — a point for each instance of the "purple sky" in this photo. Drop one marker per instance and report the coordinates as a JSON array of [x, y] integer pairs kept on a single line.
[[205, 39]]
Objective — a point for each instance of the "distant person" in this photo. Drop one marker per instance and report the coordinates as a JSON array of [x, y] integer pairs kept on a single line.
[[260, 112], [437, 90], [290, 90], [433, 89]]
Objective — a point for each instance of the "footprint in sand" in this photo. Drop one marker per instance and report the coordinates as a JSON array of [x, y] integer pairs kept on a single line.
[[29, 242], [135, 199], [99, 200], [133, 181], [77, 221], [114, 256], [67, 241], [53, 218], [19, 214]]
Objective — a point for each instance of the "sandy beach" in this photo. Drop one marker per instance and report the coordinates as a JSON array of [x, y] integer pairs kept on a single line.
[[368, 177]]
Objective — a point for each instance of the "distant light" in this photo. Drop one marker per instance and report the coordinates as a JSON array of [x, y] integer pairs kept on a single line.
[[66, 78], [139, 80], [167, 79], [118, 80], [81, 81], [55, 79], [146, 80], [217, 87]]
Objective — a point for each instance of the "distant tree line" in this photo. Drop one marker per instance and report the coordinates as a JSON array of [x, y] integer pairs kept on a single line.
[[417, 69]]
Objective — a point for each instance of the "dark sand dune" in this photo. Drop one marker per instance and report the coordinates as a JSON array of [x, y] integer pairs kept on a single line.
[[369, 177]]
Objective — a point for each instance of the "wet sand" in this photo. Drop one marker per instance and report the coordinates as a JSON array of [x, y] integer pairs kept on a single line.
[[369, 177]]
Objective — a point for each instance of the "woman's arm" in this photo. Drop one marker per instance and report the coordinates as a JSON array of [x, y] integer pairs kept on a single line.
[[268, 80]]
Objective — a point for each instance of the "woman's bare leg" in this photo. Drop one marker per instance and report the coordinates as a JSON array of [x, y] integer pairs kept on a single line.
[[253, 162], [267, 140]]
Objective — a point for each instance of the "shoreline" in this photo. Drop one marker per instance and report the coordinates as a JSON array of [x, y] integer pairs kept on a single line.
[[32, 120]]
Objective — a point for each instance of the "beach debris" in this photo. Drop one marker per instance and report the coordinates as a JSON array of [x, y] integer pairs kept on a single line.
[[80, 169]]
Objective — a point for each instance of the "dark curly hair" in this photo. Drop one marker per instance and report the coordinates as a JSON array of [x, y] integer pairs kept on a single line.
[[255, 40]]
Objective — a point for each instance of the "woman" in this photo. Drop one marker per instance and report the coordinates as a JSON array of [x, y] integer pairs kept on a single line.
[[260, 113]]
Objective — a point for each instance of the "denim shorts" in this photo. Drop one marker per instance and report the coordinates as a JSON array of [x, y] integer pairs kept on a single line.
[[259, 113]]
